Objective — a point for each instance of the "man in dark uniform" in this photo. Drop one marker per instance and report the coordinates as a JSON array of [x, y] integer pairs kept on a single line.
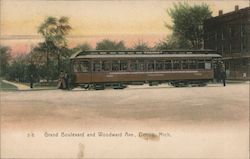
[[31, 81], [223, 77]]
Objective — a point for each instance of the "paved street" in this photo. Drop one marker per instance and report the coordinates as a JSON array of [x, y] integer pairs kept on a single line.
[[200, 122]]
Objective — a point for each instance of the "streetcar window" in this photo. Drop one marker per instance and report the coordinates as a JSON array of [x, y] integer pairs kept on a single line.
[[124, 65], [192, 64], [141, 66], [115, 65], [106, 65], [159, 65], [82, 66], [176, 64], [201, 64], [133, 66], [77, 67], [168, 65], [97, 66], [85, 66], [151, 65], [184, 64]]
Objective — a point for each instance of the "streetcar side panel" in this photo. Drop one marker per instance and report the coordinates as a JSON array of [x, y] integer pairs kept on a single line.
[[151, 76], [97, 73]]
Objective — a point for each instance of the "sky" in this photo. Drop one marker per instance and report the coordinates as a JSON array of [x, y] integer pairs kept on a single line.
[[94, 20]]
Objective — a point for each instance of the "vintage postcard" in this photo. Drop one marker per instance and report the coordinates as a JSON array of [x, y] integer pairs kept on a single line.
[[124, 79]]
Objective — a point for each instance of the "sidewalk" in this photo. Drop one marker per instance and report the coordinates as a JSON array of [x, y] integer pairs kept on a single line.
[[18, 85]]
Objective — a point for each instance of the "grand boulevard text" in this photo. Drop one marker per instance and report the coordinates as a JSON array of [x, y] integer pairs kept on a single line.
[[105, 134]]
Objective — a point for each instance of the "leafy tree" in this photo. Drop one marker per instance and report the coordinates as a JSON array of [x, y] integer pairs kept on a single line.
[[173, 41], [188, 22], [21, 68], [141, 45], [54, 32], [110, 45], [84, 46], [39, 51], [63, 29], [17, 69], [39, 57], [161, 45], [36, 57], [65, 62], [4, 59], [48, 31]]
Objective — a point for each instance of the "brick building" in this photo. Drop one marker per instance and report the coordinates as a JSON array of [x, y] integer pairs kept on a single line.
[[229, 35]]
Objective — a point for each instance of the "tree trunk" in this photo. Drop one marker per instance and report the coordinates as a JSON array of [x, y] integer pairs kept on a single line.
[[58, 61], [47, 58]]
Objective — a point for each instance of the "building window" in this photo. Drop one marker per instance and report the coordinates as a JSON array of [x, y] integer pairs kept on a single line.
[[222, 34], [206, 36], [244, 46], [241, 47], [244, 62], [233, 30], [230, 48], [243, 30], [230, 31]]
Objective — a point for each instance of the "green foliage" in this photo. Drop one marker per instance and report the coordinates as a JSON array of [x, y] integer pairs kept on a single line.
[[110, 45], [34, 63], [141, 45], [18, 68], [4, 59], [54, 31], [161, 45], [84, 46], [173, 41], [48, 28], [38, 58], [188, 22]]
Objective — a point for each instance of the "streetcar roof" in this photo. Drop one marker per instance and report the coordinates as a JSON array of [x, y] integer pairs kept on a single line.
[[142, 54]]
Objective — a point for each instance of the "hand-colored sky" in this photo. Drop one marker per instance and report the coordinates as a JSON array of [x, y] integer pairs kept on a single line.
[[94, 20]]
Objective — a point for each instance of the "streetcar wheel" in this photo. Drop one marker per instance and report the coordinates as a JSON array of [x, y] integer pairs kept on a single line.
[[118, 86], [99, 86]]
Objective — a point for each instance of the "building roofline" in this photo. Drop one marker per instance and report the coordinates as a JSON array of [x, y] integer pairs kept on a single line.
[[242, 10]]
